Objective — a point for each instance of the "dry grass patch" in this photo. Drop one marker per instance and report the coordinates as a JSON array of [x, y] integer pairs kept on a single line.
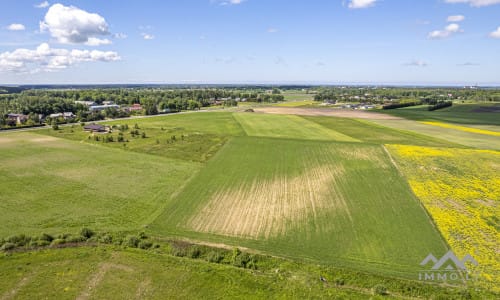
[[267, 208]]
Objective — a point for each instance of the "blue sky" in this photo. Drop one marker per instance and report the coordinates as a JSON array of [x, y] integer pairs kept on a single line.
[[251, 41]]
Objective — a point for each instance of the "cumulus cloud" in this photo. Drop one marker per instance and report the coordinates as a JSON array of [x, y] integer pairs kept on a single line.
[[16, 27], [495, 34], [45, 58], [416, 63], [71, 25], [457, 18], [147, 36], [361, 3], [446, 32], [475, 3], [44, 4]]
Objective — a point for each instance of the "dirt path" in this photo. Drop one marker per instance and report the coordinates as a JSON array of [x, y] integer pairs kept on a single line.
[[341, 113], [12, 293], [99, 276]]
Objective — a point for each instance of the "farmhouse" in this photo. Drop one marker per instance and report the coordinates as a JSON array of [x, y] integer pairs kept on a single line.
[[134, 107], [95, 128], [64, 115], [103, 107], [17, 118]]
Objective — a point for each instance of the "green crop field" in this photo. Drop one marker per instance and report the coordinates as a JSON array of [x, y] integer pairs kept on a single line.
[[477, 113], [287, 126], [451, 135], [55, 185], [331, 202], [372, 133]]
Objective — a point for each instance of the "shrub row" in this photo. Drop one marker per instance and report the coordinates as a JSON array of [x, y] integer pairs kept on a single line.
[[440, 105], [220, 256], [400, 105], [86, 235]]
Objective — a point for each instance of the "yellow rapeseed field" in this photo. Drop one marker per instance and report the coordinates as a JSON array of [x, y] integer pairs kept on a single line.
[[463, 128], [460, 188]]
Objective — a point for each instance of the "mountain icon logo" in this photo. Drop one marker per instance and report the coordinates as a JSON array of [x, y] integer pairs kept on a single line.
[[449, 261]]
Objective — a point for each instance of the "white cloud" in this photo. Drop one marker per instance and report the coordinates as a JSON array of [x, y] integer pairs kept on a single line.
[[416, 63], [228, 2], [361, 3], [120, 36], [446, 32], [44, 4], [495, 34], [475, 3], [16, 27], [147, 36], [457, 18], [44, 58], [468, 64], [272, 30], [71, 25]]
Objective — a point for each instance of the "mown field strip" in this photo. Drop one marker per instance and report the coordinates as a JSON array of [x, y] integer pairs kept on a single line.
[[287, 126]]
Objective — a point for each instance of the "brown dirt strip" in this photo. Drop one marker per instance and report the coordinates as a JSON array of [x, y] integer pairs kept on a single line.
[[340, 113], [12, 293]]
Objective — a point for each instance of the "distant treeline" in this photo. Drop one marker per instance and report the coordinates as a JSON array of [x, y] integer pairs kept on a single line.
[[380, 95], [152, 100]]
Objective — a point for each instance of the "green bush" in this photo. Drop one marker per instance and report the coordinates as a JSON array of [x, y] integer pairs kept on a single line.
[[180, 252], [42, 243], [19, 240], [57, 242], [380, 289], [194, 252], [107, 239], [76, 239], [8, 246], [214, 257], [143, 235], [145, 245], [46, 237], [86, 233], [339, 281], [132, 241]]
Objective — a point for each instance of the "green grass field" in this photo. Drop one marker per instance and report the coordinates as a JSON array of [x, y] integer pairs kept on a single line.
[[107, 273], [55, 185], [287, 126], [458, 113], [330, 202]]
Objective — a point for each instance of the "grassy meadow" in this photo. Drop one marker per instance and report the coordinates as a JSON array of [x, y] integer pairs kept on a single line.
[[56, 185]]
